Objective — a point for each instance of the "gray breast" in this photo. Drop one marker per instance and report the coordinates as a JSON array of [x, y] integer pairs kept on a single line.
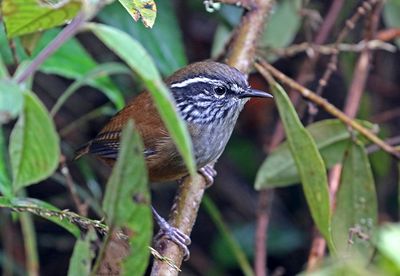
[[209, 140]]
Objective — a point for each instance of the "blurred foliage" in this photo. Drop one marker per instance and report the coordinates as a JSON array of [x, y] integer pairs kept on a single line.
[[32, 140]]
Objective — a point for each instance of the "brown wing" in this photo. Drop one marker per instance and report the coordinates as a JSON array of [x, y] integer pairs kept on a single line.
[[164, 162]]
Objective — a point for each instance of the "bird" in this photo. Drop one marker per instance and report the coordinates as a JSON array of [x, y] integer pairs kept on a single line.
[[209, 96]]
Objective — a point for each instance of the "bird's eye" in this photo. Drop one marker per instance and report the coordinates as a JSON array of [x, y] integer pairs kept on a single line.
[[220, 90]]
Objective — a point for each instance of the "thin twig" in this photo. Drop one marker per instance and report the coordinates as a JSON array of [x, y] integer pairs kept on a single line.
[[330, 49], [388, 34], [312, 96], [386, 116], [80, 206], [263, 219], [394, 141]]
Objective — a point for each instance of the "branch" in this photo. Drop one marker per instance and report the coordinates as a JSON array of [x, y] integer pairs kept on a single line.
[[187, 200], [330, 49], [263, 66]]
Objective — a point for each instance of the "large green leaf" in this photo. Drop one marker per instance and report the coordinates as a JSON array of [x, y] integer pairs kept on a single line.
[[72, 61], [34, 144], [28, 16], [144, 9], [163, 41], [40, 208], [127, 200], [279, 169], [308, 161], [356, 205], [81, 260], [137, 58]]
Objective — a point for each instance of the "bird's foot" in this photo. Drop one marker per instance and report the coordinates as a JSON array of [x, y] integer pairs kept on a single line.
[[171, 233], [208, 172]]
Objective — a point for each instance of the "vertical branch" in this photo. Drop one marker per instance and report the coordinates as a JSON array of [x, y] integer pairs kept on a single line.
[[241, 55], [265, 198]]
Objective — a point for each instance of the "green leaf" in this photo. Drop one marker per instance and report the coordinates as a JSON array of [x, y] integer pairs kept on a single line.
[[72, 61], [11, 100], [83, 255], [144, 9], [137, 58], [331, 137], [28, 16], [34, 144], [168, 55], [127, 200], [356, 205], [40, 209], [309, 163]]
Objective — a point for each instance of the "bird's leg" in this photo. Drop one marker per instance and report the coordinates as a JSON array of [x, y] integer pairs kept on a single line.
[[171, 233], [209, 173]]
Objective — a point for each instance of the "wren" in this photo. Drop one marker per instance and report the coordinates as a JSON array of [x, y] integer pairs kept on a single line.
[[209, 97]]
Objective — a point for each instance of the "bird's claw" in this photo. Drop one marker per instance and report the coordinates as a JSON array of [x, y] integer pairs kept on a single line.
[[171, 233], [208, 172], [175, 235]]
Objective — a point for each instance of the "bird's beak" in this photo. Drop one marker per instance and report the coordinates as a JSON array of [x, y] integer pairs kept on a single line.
[[250, 93]]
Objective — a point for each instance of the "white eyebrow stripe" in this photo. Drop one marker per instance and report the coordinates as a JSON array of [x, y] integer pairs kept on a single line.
[[194, 80]]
